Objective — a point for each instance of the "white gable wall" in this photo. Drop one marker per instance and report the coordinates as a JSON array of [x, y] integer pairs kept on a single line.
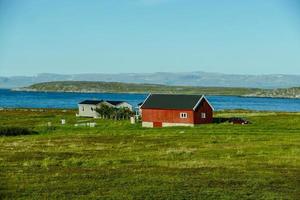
[[87, 110]]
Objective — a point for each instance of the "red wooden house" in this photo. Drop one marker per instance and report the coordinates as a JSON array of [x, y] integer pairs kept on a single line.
[[161, 110]]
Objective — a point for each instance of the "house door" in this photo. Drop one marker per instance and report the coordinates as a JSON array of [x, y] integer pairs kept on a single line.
[[157, 124]]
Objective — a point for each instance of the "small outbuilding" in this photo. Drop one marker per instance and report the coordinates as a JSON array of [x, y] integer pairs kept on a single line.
[[88, 108], [119, 104], [162, 110]]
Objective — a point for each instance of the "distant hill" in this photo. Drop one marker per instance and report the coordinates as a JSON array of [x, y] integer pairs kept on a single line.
[[202, 79], [85, 86]]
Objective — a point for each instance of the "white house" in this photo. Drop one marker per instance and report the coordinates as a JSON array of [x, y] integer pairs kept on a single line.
[[88, 108]]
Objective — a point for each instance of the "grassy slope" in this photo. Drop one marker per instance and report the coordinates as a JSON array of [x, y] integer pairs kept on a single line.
[[137, 88], [122, 161]]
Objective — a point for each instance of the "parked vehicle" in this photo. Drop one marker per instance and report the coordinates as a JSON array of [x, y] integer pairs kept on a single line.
[[238, 120]]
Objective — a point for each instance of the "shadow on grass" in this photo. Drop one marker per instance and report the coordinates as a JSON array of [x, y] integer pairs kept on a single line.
[[218, 120], [232, 120], [15, 131]]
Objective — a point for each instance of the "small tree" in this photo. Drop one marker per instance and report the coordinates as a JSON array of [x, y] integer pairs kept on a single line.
[[104, 111], [115, 113], [100, 111], [125, 113]]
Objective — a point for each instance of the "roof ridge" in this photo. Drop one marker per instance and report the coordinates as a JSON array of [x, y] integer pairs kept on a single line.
[[172, 101]]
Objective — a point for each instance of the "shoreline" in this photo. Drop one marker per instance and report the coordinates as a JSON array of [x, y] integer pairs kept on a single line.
[[74, 91], [75, 109], [144, 93]]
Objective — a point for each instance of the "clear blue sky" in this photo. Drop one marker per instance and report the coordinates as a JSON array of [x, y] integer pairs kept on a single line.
[[115, 36]]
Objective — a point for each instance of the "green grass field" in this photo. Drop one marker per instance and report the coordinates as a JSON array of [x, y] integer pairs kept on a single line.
[[117, 160]]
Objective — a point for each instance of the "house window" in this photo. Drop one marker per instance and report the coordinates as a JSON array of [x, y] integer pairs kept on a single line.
[[203, 115], [183, 115], [82, 108], [92, 109]]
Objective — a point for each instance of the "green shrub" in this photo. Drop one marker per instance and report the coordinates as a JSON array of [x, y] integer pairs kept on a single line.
[[106, 111], [14, 131]]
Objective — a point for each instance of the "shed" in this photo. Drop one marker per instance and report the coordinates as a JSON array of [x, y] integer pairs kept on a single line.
[[162, 110]]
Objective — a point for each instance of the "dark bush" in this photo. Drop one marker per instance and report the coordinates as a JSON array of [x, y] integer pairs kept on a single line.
[[218, 120], [106, 111], [14, 131]]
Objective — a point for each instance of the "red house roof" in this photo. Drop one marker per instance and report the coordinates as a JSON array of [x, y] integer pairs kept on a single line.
[[173, 101]]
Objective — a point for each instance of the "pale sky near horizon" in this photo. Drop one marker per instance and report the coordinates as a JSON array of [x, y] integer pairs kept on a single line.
[[117, 36]]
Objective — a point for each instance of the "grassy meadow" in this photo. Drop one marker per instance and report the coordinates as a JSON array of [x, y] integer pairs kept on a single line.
[[117, 160]]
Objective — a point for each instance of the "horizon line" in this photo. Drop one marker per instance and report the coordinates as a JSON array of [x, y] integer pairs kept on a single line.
[[158, 72]]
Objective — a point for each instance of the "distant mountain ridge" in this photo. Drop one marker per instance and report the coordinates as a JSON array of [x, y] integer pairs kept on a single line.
[[201, 79]]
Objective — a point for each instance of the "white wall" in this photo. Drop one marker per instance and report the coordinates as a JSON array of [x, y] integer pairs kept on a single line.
[[87, 110]]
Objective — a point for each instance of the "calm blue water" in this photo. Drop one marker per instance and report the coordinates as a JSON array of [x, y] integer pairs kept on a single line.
[[14, 99]]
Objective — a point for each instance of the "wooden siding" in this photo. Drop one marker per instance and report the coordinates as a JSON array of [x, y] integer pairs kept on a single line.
[[203, 107], [170, 116]]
